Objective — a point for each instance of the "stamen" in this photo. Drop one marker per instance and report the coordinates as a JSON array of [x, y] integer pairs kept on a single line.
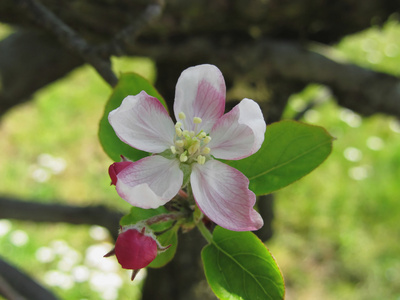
[[193, 148], [207, 139], [183, 157], [179, 143], [197, 120], [185, 133], [178, 132], [206, 150], [190, 146], [201, 159], [182, 115]]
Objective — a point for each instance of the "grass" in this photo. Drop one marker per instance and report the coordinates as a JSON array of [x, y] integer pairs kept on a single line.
[[336, 230]]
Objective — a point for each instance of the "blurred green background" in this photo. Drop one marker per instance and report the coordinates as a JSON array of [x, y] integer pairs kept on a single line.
[[336, 230]]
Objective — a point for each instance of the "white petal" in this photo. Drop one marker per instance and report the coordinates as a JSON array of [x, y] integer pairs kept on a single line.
[[200, 92], [143, 123], [239, 133], [222, 194], [150, 182]]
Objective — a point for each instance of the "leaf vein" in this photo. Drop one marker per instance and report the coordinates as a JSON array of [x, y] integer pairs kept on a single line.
[[288, 161], [243, 268]]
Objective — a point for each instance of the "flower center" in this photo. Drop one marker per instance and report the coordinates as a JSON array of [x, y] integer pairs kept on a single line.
[[190, 146]]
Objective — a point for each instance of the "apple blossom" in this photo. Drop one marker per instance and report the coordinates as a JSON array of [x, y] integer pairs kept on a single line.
[[189, 149]]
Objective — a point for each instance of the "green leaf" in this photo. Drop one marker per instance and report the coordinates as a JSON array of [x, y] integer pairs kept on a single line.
[[128, 84], [239, 266], [290, 151], [167, 238]]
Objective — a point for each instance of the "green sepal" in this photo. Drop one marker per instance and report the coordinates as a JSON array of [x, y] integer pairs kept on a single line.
[[168, 154], [169, 237]]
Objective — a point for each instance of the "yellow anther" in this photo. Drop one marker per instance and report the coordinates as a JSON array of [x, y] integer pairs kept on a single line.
[[178, 125], [178, 132], [182, 115], [202, 135], [193, 148], [207, 139], [173, 149], [179, 143], [206, 150], [183, 157], [201, 159], [197, 120], [191, 133]]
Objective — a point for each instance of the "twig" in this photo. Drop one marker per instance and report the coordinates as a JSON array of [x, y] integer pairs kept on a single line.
[[69, 38], [126, 37], [11, 208], [20, 286], [7, 291]]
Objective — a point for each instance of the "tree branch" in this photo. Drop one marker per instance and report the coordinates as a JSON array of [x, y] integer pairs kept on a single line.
[[362, 90], [8, 292], [20, 286], [69, 38], [22, 74], [127, 36], [11, 208]]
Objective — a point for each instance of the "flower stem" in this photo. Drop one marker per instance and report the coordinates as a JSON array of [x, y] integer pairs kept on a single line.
[[165, 218], [190, 194], [204, 232]]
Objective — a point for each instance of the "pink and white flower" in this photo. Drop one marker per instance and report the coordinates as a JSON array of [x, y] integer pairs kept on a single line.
[[203, 132]]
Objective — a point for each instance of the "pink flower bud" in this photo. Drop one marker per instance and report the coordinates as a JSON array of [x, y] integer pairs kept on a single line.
[[115, 168], [134, 249]]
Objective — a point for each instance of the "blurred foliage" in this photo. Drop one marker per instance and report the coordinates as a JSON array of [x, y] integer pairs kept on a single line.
[[335, 230]]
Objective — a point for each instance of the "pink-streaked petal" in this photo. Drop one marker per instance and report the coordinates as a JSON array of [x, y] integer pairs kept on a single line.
[[222, 194], [150, 182], [239, 133], [200, 92], [143, 123], [116, 168]]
